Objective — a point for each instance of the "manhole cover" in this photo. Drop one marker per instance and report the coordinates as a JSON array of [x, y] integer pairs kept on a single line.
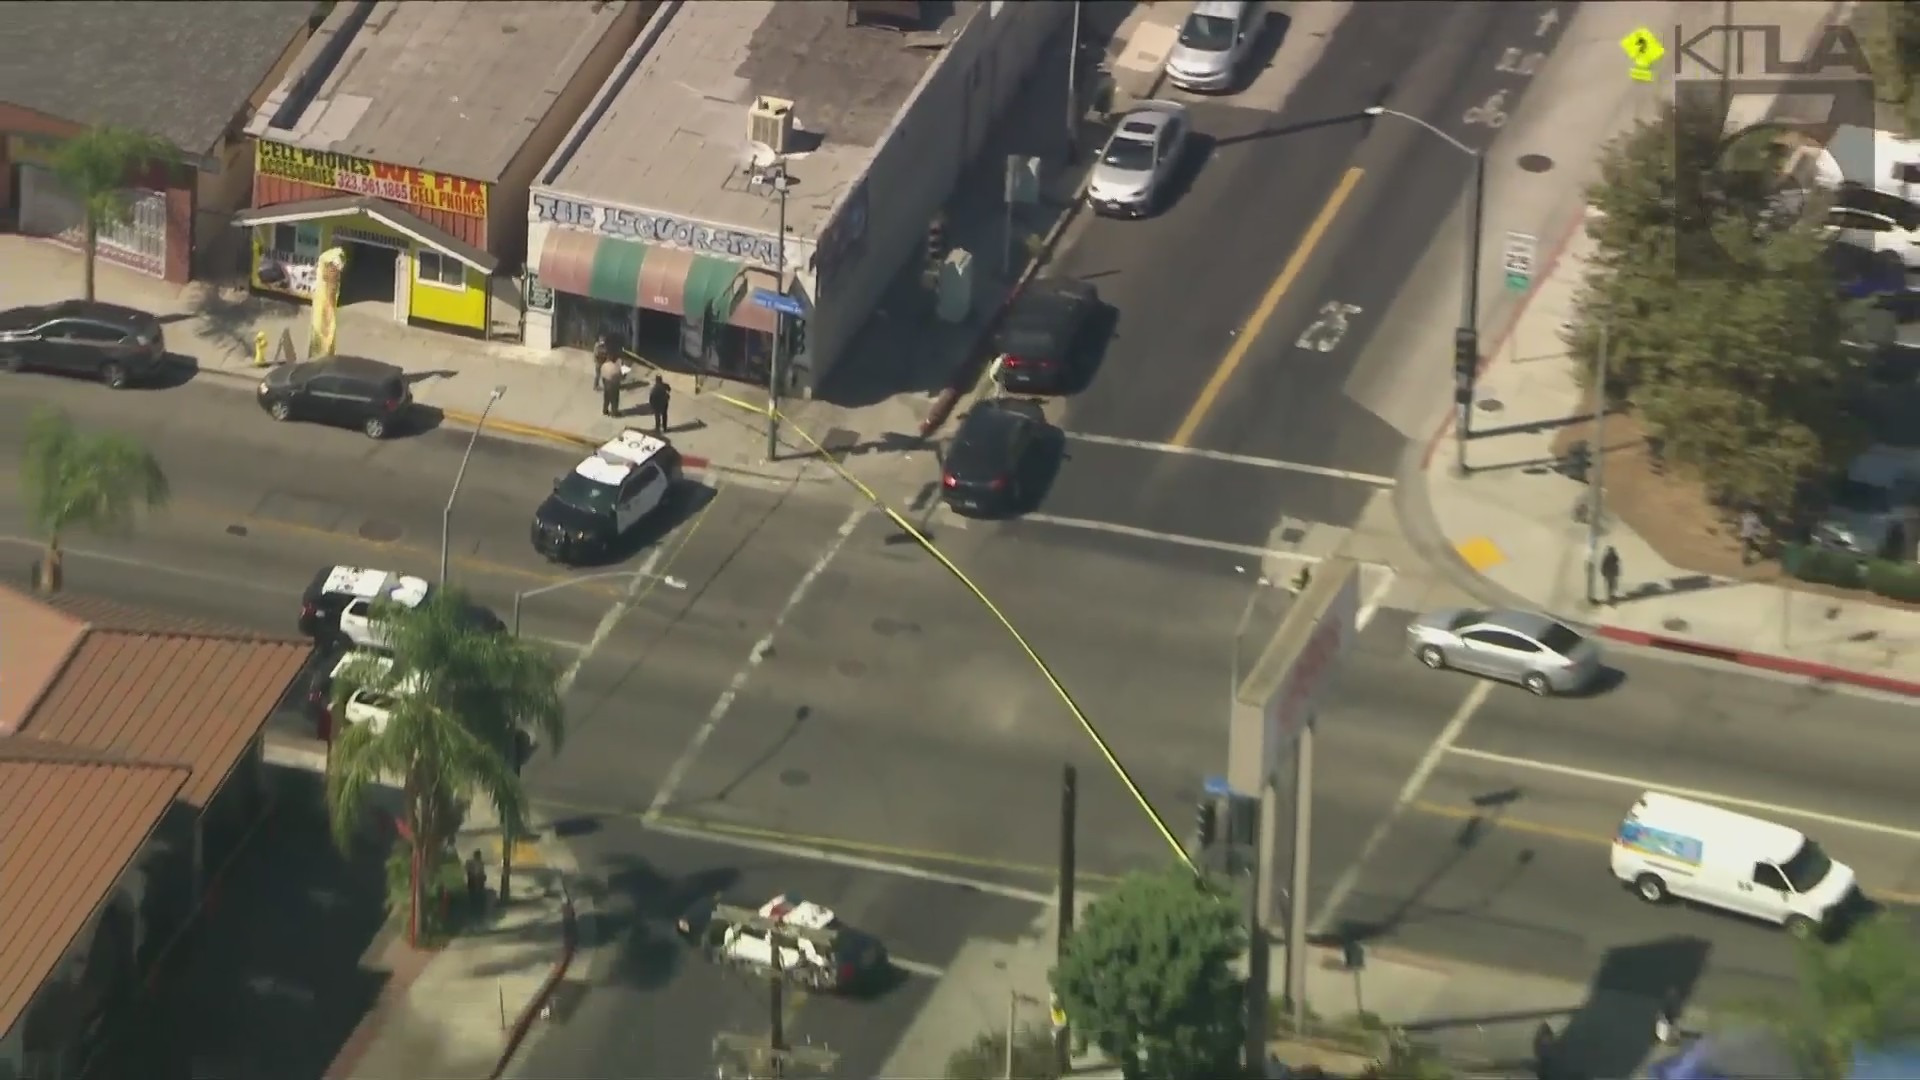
[[886, 627], [236, 530], [1678, 626], [1490, 405], [1534, 163], [380, 532], [852, 669], [795, 777]]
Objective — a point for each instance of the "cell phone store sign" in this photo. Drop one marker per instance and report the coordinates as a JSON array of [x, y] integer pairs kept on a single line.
[[663, 229], [358, 176]]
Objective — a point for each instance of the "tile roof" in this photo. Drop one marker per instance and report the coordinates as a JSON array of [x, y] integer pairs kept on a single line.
[[455, 86], [152, 687], [50, 884], [179, 71], [35, 641]]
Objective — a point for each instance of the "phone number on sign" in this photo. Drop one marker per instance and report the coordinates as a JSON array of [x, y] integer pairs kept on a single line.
[[424, 194]]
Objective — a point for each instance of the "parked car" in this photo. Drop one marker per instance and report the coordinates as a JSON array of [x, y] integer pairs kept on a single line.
[[346, 391], [1044, 339], [1539, 653], [1214, 43], [1876, 221], [118, 345], [1133, 174], [992, 458]]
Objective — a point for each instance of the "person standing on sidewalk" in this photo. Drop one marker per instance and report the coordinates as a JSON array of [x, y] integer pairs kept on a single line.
[[610, 376], [602, 352], [477, 883], [1543, 1064], [1610, 573], [1751, 533], [658, 399]]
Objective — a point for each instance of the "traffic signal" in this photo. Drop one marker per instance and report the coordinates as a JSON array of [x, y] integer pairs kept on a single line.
[[937, 246], [1466, 363], [1205, 822]]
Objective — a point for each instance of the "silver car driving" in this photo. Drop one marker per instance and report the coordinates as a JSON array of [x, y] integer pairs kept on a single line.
[[1539, 653], [1131, 177]]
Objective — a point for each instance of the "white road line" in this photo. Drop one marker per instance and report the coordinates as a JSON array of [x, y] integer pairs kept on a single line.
[[1249, 550], [1370, 606], [850, 862], [916, 967], [637, 588], [1688, 793], [1235, 459], [560, 643], [760, 650], [1409, 792]]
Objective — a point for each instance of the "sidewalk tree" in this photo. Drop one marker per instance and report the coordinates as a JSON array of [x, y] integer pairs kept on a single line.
[[72, 479], [1859, 993], [1724, 326], [95, 167], [1890, 34], [985, 1058], [459, 694], [1148, 976]]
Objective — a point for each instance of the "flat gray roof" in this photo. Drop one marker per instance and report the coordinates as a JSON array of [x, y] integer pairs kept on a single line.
[[674, 137], [454, 86]]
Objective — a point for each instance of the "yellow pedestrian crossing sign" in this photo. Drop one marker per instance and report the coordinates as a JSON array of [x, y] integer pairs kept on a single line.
[[1645, 51]]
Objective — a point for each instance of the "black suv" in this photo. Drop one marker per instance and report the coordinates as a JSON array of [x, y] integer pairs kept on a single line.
[[346, 391], [117, 345], [993, 458]]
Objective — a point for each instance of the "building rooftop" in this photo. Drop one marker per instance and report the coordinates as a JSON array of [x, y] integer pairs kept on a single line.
[[182, 72], [72, 822], [673, 137], [450, 87]]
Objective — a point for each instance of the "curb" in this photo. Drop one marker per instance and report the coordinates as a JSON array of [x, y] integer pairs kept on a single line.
[[1781, 665], [523, 1024], [970, 388]]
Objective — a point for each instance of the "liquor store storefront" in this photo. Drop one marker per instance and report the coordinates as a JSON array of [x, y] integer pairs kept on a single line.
[[679, 293], [413, 239]]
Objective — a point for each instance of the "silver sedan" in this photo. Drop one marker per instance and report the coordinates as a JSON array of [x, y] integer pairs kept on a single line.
[[1132, 176], [1539, 653]]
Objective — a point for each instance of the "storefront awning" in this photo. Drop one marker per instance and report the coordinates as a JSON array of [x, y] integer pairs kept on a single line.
[[634, 274], [392, 215]]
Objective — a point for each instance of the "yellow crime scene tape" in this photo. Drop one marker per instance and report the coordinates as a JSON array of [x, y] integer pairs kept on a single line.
[[1059, 688]]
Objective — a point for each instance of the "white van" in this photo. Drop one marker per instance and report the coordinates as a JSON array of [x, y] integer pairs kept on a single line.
[[1669, 846], [1214, 43]]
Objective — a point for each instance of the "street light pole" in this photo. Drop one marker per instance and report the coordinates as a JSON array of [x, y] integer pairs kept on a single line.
[[446, 515], [1597, 456], [1470, 284], [780, 186], [1073, 87]]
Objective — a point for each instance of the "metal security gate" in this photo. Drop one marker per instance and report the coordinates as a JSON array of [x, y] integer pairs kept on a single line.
[[46, 209]]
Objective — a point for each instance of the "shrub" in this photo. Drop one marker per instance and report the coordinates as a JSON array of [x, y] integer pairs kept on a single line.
[[986, 1057], [1822, 566], [1894, 580]]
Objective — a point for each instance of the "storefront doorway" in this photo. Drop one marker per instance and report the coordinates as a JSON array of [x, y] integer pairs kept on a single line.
[[368, 284]]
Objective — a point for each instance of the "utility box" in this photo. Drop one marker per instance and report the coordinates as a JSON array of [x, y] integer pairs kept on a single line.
[[770, 123], [953, 292]]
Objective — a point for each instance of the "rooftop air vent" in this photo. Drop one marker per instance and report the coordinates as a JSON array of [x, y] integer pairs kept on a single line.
[[770, 123]]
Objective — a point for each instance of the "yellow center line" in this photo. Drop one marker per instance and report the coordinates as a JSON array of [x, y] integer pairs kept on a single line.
[[1268, 303]]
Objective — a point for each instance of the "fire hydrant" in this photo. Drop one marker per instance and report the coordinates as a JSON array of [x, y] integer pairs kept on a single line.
[[259, 348]]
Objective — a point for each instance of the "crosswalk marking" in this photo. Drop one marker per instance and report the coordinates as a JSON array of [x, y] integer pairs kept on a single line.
[[1235, 459]]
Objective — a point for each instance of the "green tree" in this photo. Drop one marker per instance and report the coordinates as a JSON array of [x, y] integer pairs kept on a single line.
[[95, 167], [461, 695], [986, 1057], [1723, 325], [1890, 33], [1862, 992], [77, 480], [1148, 976]]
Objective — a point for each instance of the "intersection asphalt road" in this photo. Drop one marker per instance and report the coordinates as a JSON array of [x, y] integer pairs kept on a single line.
[[1276, 227], [650, 1007], [1504, 859]]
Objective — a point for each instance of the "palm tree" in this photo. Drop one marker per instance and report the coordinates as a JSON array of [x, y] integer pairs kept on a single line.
[[95, 167], [462, 693], [1862, 992], [75, 480]]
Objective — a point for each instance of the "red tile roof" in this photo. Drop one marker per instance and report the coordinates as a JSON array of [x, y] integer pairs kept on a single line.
[[70, 824]]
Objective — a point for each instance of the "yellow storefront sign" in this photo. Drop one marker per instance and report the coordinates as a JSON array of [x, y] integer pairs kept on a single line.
[[358, 176]]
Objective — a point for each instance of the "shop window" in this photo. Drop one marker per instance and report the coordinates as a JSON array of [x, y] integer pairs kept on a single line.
[[285, 238], [434, 268]]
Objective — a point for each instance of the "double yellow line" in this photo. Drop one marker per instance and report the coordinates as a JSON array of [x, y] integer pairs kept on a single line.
[[1046, 672]]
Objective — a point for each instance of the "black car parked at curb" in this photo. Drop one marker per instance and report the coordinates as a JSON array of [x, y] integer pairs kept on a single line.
[[119, 346], [345, 391]]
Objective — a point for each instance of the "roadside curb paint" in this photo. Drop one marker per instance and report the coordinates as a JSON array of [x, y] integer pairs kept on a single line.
[[1766, 661]]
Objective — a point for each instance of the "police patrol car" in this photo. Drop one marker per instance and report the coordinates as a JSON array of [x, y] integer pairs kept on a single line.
[[815, 949], [605, 496], [338, 604], [372, 707]]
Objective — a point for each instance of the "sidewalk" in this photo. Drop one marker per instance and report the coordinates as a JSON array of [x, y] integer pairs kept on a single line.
[[1516, 521], [464, 1011]]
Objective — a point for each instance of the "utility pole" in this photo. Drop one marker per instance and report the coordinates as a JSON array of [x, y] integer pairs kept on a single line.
[[1073, 87], [1596, 468], [774, 368], [446, 514], [1069, 812], [1470, 311], [1302, 860], [769, 1057]]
